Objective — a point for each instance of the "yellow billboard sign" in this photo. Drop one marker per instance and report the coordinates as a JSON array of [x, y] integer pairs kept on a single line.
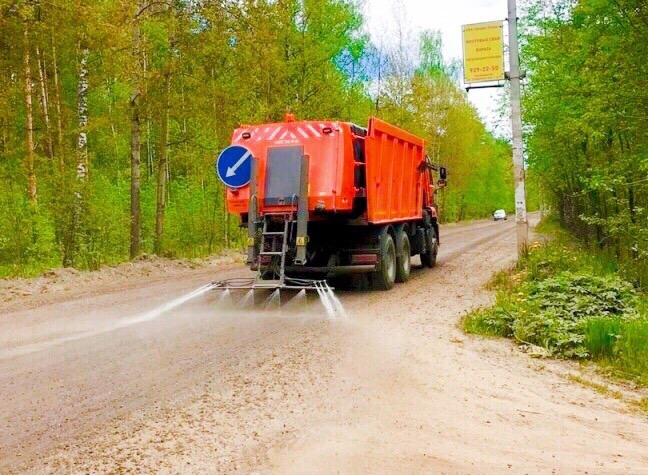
[[483, 48]]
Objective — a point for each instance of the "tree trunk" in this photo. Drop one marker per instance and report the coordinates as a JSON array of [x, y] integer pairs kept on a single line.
[[150, 152], [135, 208], [59, 118], [82, 98], [72, 241], [162, 168], [29, 136], [135, 240], [44, 101]]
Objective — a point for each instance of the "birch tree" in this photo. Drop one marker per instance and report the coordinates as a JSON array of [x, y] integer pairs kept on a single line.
[[44, 103], [29, 128]]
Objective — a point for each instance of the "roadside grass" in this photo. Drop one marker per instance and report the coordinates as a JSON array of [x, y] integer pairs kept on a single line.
[[599, 388], [27, 270], [641, 404], [565, 302]]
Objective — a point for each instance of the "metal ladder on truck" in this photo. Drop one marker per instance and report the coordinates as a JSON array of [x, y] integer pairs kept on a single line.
[[269, 241], [267, 253], [297, 218]]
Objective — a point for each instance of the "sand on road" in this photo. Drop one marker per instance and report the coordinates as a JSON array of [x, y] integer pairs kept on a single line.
[[395, 387]]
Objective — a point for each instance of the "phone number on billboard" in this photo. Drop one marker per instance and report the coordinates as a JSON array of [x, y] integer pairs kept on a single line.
[[484, 69]]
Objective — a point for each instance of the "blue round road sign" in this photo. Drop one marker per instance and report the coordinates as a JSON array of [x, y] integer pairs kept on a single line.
[[234, 166]]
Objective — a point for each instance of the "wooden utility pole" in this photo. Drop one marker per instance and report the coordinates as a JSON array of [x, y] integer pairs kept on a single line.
[[481, 64], [521, 224]]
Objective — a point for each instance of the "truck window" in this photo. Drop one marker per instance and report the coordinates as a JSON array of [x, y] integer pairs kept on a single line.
[[282, 175]]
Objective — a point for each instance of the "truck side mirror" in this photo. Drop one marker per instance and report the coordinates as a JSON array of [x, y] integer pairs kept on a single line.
[[443, 173]]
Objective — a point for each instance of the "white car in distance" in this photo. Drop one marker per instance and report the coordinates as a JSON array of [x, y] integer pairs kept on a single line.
[[499, 214]]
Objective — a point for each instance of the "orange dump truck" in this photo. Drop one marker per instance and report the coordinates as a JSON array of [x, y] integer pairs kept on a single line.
[[324, 198]]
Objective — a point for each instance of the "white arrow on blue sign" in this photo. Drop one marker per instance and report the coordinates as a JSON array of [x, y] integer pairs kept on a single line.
[[234, 166]]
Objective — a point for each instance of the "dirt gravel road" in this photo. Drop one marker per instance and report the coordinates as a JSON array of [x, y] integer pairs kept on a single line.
[[98, 380]]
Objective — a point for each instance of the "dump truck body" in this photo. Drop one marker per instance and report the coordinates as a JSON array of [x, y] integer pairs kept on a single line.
[[328, 198], [395, 181], [341, 155]]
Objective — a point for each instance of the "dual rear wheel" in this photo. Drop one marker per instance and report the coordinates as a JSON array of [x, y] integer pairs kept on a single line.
[[385, 277], [395, 261], [403, 257]]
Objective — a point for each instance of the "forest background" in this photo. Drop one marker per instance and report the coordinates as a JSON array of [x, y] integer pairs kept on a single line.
[[112, 113], [585, 108]]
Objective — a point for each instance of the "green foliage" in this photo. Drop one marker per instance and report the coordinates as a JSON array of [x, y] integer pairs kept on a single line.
[[562, 255], [556, 311], [573, 296], [28, 244], [494, 322], [191, 72], [200, 224], [573, 306], [584, 107], [631, 349], [216, 65], [602, 335]]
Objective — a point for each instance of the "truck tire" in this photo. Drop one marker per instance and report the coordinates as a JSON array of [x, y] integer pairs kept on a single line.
[[384, 278], [428, 259], [403, 257]]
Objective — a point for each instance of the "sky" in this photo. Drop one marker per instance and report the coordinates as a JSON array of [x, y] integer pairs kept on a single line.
[[446, 16]]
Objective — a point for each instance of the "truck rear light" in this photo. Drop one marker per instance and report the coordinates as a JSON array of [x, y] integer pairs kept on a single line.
[[327, 130], [364, 259]]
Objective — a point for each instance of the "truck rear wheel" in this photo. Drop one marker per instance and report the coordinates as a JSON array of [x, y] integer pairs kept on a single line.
[[384, 278], [403, 257], [428, 259]]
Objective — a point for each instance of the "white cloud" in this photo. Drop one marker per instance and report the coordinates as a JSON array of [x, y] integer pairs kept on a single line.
[[447, 16]]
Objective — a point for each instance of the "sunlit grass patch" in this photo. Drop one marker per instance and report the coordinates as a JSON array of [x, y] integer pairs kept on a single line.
[[641, 404]]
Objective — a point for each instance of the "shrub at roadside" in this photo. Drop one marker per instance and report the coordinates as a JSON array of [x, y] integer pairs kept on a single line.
[[573, 305]]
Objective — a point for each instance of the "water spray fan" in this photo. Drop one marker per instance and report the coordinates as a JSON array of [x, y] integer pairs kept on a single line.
[[293, 289]]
